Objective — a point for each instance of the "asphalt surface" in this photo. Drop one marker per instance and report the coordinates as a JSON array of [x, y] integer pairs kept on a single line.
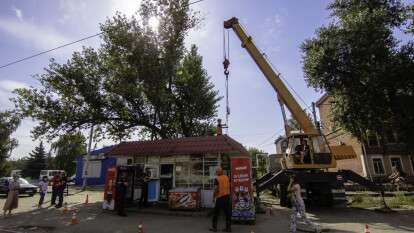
[[91, 218]]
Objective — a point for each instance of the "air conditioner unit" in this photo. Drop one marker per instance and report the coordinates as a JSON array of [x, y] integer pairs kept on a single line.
[[154, 170]]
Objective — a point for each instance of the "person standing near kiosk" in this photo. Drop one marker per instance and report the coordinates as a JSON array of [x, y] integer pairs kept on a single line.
[[121, 190], [222, 195], [143, 202]]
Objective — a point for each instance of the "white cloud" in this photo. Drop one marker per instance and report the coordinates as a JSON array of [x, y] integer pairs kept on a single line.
[[271, 29], [127, 7], [6, 88], [73, 10], [26, 143], [18, 12], [10, 85], [41, 38]]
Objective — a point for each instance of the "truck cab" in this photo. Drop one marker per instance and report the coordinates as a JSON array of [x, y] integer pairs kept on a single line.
[[304, 151]]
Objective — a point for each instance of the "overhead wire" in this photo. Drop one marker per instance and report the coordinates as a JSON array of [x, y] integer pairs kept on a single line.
[[49, 50], [270, 138], [67, 44]]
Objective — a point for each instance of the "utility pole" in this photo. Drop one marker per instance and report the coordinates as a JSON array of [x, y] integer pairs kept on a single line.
[[86, 164]]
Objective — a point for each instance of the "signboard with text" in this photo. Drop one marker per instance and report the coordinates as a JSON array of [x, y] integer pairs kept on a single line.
[[241, 189], [109, 189]]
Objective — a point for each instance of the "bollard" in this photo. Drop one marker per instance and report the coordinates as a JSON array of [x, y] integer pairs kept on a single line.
[[87, 199]]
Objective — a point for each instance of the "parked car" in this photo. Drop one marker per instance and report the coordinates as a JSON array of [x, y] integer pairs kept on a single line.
[[25, 186]]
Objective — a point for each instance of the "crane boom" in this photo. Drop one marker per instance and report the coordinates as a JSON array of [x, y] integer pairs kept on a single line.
[[273, 77]]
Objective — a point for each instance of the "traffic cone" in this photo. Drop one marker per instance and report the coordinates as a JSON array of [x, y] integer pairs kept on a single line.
[[65, 208], [366, 229], [74, 219], [87, 199], [140, 228]]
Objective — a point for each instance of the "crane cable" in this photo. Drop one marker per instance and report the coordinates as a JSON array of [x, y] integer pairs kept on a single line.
[[226, 63]]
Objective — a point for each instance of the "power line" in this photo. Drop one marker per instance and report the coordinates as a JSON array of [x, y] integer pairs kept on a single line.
[[269, 138], [64, 45], [50, 50]]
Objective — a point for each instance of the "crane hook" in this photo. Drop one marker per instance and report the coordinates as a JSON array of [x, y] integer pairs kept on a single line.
[[226, 64]]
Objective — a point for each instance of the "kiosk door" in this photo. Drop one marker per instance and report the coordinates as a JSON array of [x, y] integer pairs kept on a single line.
[[166, 180]]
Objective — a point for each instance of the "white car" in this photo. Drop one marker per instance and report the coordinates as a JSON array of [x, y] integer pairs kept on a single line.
[[49, 173]]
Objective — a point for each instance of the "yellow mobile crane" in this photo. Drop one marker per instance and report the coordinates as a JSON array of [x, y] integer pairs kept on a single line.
[[307, 153]]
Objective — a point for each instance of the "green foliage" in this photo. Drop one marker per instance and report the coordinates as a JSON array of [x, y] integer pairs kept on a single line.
[[19, 164], [365, 200], [258, 161], [141, 81], [35, 162], [66, 148], [8, 124], [368, 73]]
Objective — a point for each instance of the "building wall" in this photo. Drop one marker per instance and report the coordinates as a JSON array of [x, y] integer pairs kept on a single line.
[[365, 168], [336, 137], [105, 164]]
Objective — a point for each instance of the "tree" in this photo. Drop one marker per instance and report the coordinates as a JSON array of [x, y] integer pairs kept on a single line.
[[368, 73], [35, 162], [141, 81], [66, 148], [258, 161], [8, 124]]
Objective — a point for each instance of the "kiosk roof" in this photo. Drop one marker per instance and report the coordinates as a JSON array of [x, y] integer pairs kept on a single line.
[[180, 146]]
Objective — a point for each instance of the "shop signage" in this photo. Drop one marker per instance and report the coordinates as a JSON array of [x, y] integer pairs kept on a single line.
[[241, 187], [110, 189]]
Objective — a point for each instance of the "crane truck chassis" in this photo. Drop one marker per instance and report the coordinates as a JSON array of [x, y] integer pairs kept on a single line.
[[319, 188]]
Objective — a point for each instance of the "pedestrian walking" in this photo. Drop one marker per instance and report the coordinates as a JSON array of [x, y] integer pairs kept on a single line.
[[56, 181], [43, 184], [298, 205], [61, 188], [121, 189], [222, 196], [12, 201]]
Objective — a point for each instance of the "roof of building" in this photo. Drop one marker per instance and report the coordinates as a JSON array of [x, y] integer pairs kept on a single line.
[[98, 152], [180, 146], [321, 100], [103, 150]]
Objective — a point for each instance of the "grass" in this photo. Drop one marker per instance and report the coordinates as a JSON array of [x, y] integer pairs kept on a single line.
[[364, 200]]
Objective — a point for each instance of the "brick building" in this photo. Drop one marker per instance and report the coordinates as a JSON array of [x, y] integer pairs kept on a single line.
[[373, 159]]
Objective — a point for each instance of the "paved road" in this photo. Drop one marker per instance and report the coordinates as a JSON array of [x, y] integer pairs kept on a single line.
[[92, 219]]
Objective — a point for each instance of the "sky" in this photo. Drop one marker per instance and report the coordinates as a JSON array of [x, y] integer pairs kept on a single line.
[[277, 27]]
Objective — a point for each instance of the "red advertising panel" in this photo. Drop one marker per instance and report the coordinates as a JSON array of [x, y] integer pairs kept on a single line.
[[110, 189], [184, 200], [241, 189]]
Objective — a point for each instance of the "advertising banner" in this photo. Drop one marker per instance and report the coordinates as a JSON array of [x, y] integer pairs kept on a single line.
[[110, 189], [241, 190], [183, 200]]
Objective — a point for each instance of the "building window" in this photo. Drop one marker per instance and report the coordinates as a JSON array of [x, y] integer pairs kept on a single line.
[[94, 169], [396, 162], [378, 166], [412, 162]]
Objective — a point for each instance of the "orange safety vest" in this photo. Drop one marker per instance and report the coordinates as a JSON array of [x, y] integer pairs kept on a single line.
[[223, 186]]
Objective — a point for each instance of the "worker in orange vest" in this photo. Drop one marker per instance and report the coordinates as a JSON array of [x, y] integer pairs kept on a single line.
[[222, 195]]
